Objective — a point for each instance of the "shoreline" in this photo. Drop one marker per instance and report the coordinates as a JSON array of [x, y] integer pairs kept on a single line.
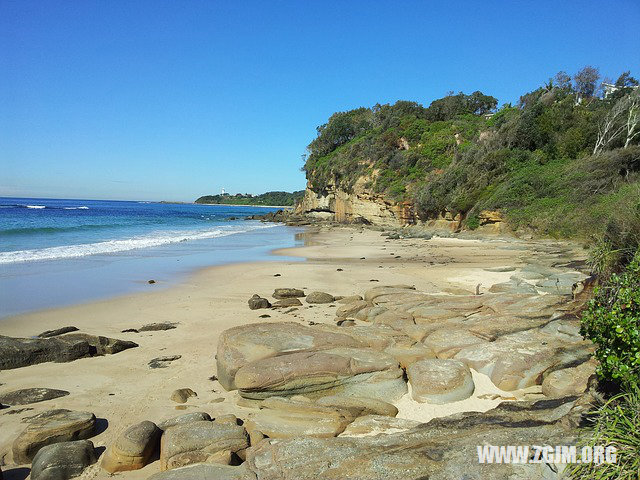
[[343, 261]]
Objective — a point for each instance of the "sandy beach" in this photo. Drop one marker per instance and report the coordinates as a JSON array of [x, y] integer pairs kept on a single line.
[[121, 389]]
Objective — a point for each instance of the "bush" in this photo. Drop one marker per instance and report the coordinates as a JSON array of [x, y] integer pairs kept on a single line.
[[616, 423], [612, 322]]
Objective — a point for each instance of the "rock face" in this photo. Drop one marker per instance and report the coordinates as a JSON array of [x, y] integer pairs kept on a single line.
[[62, 461], [242, 345], [440, 381], [196, 442], [22, 352], [133, 448], [256, 302], [319, 297], [356, 371], [27, 396], [442, 449], [50, 427]]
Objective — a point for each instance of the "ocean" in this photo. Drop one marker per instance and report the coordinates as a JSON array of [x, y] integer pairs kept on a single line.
[[56, 252]]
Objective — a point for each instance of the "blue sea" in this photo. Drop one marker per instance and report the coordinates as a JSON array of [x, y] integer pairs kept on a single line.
[[57, 252]]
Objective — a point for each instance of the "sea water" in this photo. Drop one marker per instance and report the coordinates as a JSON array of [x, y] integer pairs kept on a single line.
[[57, 252]]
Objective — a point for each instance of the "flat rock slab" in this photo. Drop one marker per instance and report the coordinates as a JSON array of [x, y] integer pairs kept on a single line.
[[204, 471], [357, 371], [440, 381], [241, 345], [64, 460], [27, 396], [369, 425], [319, 297], [195, 442], [163, 362], [157, 327], [133, 448], [50, 427], [22, 352]]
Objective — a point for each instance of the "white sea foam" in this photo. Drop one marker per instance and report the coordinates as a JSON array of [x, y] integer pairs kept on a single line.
[[115, 246], [36, 206], [76, 208]]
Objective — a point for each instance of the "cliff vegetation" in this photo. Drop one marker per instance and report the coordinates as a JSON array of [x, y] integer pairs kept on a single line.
[[279, 199]]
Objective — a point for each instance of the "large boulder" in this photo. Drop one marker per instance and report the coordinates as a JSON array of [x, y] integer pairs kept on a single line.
[[202, 471], [62, 461], [241, 345], [569, 381], [196, 442], [133, 448], [440, 381], [27, 396], [50, 427], [363, 372]]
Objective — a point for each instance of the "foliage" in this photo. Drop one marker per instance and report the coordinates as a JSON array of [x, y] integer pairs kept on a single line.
[[617, 424], [612, 322], [283, 199]]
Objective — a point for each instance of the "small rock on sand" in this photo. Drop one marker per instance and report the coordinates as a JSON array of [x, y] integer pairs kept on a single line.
[[182, 395], [281, 293]]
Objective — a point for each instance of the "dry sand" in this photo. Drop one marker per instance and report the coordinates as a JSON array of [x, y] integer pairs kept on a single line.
[[122, 389]]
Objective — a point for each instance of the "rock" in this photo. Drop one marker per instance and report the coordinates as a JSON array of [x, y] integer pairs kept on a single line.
[[132, 449], [319, 297], [500, 269], [406, 356], [256, 302], [447, 342], [182, 395], [287, 418], [369, 425], [287, 302], [513, 287], [360, 406], [203, 471], [63, 460], [151, 282], [241, 345], [443, 449], [56, 332], [349, 299], [345, 323], [360, 372], [281, 293], [569, 381], [163, 362], [195, 442], [440, 381], [157, 327], [49, 427], [519, 360], [22, 352], [186, 418], [228, 418], [27, 396], [350, 309]]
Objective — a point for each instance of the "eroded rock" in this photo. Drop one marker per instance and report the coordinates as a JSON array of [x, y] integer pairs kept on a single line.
[[63, 460], [132, 449], [440, 381], [28, 396]]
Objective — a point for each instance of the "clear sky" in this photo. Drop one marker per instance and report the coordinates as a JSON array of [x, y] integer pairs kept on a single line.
[[170, 100]]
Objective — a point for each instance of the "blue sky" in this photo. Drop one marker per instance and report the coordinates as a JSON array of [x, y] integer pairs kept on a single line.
[[170, 100]]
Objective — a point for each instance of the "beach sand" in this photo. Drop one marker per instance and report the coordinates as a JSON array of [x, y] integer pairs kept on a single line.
[[121, 389]]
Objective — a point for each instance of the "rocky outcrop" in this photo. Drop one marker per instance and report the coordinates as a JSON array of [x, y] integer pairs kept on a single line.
[[28, 396], [442, 449], [440, 381], [361, 205]]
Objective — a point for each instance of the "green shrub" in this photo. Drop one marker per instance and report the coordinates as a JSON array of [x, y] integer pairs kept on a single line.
[[612, 322], [616, 423]]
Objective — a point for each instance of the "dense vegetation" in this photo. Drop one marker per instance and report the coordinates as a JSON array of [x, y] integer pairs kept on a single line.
[[280, 199], [564, 161]]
